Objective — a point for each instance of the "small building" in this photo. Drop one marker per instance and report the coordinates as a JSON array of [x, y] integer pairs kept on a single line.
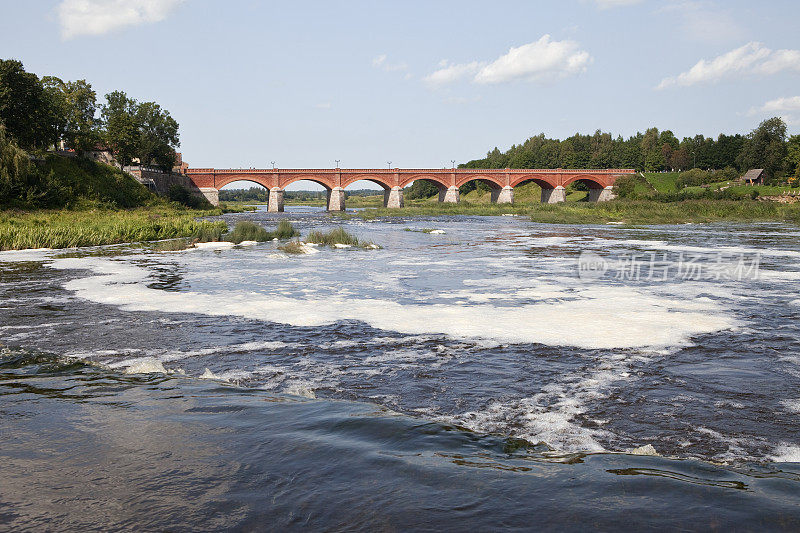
[[754, 176], [180, 165]]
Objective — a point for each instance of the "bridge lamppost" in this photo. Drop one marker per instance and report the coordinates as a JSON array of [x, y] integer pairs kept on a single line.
[[337, 163], [390, 164], [454, 163], [273, 165]]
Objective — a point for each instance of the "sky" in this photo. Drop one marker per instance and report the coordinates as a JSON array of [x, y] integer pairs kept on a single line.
[[417, 84]]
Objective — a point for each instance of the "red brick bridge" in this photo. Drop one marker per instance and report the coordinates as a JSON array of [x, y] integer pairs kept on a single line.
[[393, 180]]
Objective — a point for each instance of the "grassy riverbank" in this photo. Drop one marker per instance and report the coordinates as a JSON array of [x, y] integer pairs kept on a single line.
[[90, 227], [634, 212]]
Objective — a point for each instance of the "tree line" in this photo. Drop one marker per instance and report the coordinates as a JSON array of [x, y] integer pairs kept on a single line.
[[766, 147], [43, 113]]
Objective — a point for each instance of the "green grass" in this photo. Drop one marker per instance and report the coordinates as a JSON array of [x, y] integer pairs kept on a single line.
[[634, 212], [90, 227], [236, 207], [285, 231], [335, 236], [663, 182], [641, 212], [248, 231], [338, 236]]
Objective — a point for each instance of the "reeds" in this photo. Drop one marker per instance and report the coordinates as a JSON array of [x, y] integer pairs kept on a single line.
[[292, 247], [338, 237], [68, 229]]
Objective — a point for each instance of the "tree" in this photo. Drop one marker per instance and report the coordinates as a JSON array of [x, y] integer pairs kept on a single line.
[[422, 189], [158, 135], [765, 147], [793, 155], [121, 127], [26, 111], [651, 150], [76, 104]]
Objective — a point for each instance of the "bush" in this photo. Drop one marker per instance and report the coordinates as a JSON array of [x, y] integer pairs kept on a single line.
[[292, 247], [183, 196], [421, 189], [633, 186], [248, 231], [335, 236], [285, 230]]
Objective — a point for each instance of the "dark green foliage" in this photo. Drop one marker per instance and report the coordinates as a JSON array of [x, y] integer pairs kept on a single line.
[[183, 196], [139, 130], [63, 182], [338, 236], [248, 231], [421, 189], [253, 194], [75, 103], [651, 151], [285, 230], [335, 236], [765, 147], [26, 110], [474, 185]]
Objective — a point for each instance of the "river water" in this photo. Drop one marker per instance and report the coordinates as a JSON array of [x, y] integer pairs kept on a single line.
[[493, 373]]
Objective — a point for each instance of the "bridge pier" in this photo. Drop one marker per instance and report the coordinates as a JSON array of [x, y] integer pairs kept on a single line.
[[554, 196], [211, 194], [275, 200], [607, 194], [503, 196], [336, 199], [449, 195], [393, 197]]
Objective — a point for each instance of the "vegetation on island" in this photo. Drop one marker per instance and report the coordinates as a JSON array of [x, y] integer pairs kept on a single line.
[[338, 237]]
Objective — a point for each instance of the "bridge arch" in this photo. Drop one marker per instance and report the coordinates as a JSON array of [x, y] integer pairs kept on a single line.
[[326, 184], [543, 183], [492, 181], [594, 182], [439, 180], [377, 180], [542, 180], [221, 180]]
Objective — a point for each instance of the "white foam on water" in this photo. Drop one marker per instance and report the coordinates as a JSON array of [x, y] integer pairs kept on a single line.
[[145, 365], [28, 254], [248, 243], [549, 416], [598, 316], [300, 388], [786, 453], [219, 245], [793, 406], [208, 374], [731, 250]]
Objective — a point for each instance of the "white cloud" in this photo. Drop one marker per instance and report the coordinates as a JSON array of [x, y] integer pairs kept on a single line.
[[96, 17], [450, 73], [751, 59], [608, 4], [323, 105], [381, 63], [791, 103], [539, 61]]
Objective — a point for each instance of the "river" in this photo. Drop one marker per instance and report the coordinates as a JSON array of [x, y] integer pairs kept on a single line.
[[493, 373]]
